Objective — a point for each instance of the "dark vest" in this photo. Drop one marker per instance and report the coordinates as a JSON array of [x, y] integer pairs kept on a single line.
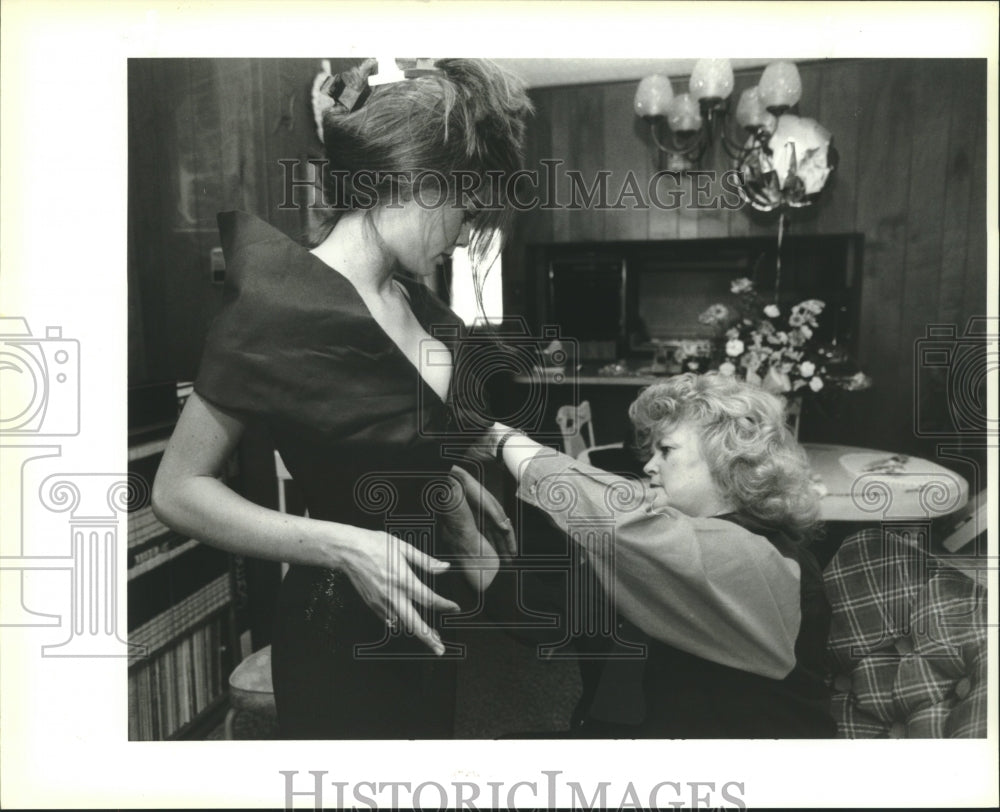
[[673, 694]]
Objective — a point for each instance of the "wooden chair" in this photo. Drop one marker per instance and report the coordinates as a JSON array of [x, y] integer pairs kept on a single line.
[[284, 477], [573, 421], [967, 524], [281, 471], [577, 427], [587, 455]]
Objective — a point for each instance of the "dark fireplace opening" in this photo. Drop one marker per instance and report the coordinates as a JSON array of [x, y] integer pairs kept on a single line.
[[619, 300]]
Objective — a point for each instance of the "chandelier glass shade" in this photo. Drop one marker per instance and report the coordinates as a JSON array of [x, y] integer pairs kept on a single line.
[[711, 79], [780, 85]]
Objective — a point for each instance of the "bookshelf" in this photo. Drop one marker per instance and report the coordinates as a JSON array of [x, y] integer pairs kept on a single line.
[[181, 597]]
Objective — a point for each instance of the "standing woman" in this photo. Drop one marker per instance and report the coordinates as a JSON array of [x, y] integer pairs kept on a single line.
[[337, 354]]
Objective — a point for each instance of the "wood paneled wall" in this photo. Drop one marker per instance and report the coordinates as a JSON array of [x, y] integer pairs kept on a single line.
[[205, 135], [911, 135]]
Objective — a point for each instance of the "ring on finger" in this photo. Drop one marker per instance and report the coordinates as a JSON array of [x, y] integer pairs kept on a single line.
[[392, 622]]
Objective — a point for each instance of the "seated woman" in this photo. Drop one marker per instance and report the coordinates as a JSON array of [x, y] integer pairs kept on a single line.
[[706, 566]]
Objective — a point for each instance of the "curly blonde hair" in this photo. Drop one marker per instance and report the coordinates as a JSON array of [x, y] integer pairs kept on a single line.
[[752, 456]]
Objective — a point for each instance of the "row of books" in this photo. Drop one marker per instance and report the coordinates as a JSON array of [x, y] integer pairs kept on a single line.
[[151, 543], [159, 552], [143, 526], [162, 630], [170, 689], [180, 602], [182, 666]]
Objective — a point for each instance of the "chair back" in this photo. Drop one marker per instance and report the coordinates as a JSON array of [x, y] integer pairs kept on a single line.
[[284, 477], [966, 524], [575, 424]]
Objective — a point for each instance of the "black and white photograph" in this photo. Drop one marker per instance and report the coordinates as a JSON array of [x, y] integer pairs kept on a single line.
[[562, 426]]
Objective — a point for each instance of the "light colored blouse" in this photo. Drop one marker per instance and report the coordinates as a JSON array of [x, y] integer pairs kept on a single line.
[[706, 586]]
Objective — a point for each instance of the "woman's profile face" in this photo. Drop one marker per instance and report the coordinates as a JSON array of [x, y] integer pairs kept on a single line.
[[421, 237], [679, 475]]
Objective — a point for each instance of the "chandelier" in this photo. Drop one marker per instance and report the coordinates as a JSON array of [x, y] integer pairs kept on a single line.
[[784, 159]]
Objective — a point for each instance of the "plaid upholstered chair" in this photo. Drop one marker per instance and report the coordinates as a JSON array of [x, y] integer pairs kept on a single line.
[[907, 641]]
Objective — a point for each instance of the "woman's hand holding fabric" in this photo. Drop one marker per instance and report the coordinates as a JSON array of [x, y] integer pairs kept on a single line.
[[492, 520], [478, 558], [381, 567]]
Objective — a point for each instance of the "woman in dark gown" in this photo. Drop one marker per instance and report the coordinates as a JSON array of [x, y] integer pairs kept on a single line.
[[351, 366]]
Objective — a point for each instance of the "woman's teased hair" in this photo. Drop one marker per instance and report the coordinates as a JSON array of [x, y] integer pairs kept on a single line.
[[752, 456], [467, 117]]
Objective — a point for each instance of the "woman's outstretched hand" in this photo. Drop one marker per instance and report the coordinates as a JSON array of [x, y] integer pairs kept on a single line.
[[381, 567]]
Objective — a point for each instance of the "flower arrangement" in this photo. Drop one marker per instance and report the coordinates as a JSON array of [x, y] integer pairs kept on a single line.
[[757, 342]]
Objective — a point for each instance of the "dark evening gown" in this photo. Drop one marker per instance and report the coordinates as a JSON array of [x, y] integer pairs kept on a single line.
[[361, 433]]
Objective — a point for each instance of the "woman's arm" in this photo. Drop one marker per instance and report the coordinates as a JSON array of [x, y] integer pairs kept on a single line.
[[188, 497], [706, 586]]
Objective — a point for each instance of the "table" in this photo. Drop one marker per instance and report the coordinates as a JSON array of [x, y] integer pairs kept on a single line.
[[868, 485], [579, 378]]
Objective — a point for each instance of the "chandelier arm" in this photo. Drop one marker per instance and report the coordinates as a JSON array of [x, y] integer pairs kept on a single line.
[[717, 116], [736, 151], [757, 140], [733, 145], [698, 146], [705, 143], [745, 153]]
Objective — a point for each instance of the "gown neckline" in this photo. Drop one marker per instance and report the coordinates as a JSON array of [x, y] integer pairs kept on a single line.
[[359, 300]]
